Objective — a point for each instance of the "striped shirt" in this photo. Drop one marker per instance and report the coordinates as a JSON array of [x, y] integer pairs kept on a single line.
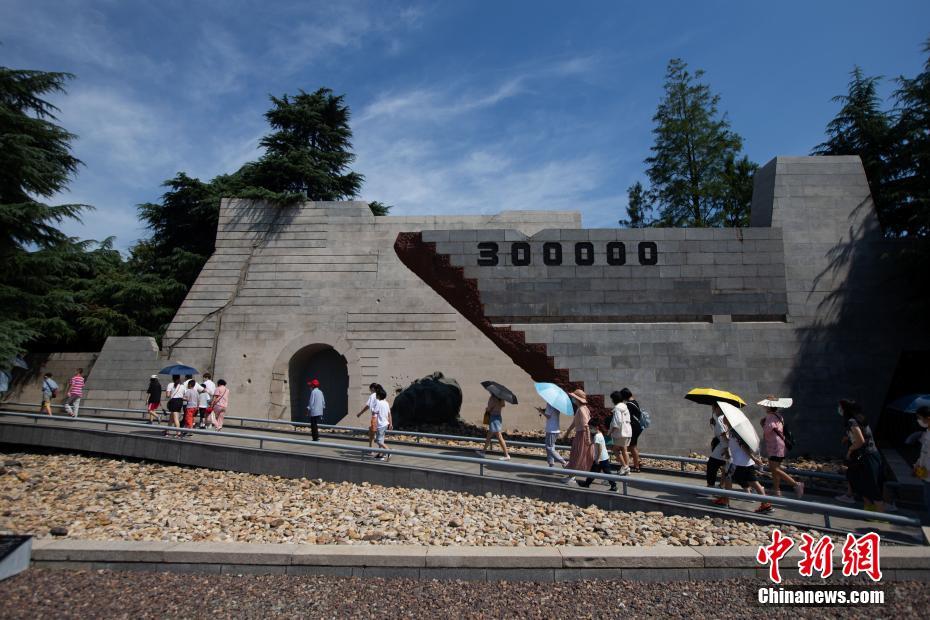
[[77, 386]]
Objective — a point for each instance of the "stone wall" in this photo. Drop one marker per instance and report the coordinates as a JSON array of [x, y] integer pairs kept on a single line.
[[285, 279]]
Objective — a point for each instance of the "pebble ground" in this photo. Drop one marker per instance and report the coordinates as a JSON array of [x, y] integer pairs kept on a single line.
[[106, 594]]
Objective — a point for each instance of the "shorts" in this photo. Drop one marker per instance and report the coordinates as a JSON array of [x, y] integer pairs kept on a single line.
[[46, 402], [620, 440], [153, 406], [379, 434], [744, 476], [175, 405], [637, 431], [496, 424]]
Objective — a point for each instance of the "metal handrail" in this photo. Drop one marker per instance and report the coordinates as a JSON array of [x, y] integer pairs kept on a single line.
[[682, 460], [826, 510]]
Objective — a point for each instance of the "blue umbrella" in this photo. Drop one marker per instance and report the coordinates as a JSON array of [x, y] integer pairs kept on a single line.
[[910, 403], [555, 396], [179, 369]]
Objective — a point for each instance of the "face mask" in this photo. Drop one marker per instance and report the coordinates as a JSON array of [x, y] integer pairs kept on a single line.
[[839, 410], [922, 422]]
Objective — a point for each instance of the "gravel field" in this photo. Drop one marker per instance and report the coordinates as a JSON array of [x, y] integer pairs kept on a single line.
[[107, 499], [105, 594]]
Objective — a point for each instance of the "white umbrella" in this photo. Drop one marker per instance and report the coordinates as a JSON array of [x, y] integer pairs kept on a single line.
[[740, 425], [776, 403]]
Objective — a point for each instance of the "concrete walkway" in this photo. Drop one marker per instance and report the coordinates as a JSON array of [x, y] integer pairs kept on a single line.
[[422, 469]]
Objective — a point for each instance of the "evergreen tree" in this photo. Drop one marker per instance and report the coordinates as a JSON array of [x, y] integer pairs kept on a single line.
[[737, 195], [692, 145], [908, 189], [638, 209], [862, 128], [309, 152], [35, 163]]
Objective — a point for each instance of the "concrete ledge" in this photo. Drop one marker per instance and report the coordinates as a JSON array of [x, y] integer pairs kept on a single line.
[[658, 563]]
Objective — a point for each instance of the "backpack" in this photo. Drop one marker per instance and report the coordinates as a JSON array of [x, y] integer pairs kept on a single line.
[[644, 418]]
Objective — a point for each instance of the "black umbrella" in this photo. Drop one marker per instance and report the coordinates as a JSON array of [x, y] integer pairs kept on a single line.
[[500, 391]]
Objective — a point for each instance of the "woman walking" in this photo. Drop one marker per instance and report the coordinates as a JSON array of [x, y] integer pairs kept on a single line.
[[863, 461], [552, 433], [219, 404], [370, 406], [154, 400], [49, 391], [175, 393], [494, 411], [621, 431], [636, 422], [776, 449], [581, 456]]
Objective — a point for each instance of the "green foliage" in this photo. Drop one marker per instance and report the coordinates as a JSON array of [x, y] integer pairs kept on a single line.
[[692, 146], [737, 195], [35, 162], [908, 189], [309, 152], [638, 209], [379, 208], [862, 128]]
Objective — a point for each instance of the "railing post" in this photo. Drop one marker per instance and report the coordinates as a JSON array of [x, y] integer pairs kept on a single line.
[[682, 463], [481, 465], [625, 488], [826, 519], [261, 444]]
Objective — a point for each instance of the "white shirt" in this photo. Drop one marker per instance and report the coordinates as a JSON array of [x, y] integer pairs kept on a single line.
[[176, 391], [372, 404], [383, 410], [210, 387], [739, 456], [552, 419], [602, 446], [621, 420], [203, 399], [720, 452]]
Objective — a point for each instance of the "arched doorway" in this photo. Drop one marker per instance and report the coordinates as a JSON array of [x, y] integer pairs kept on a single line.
[[324, 363]]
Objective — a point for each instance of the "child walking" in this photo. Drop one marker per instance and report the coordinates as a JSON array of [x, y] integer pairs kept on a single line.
[[191, 404], [744, 473], [383, 422], [601, 457]]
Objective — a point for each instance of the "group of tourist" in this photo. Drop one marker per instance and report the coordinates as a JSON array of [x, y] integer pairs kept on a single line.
[[589, 438], [188, 399], [74, 392], [380, 419]]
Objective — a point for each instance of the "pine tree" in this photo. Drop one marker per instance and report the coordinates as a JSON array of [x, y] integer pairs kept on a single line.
[[862, 128], [638, 209], [692, 145], [908, 188], [737, 195], [309, 152], [35, 163]]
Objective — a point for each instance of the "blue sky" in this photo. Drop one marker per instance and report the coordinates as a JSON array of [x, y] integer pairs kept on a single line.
[[457, 107]]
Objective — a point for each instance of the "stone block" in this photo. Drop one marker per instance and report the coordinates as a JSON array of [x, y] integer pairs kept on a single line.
[[360, 555], [493, 557], [521, 574], [229, 553], [631, 557]]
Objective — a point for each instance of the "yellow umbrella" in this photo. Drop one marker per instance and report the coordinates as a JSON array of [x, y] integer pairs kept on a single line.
[[709, 396]]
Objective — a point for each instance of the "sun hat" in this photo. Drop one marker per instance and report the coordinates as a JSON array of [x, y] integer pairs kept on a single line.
[[580, 396]]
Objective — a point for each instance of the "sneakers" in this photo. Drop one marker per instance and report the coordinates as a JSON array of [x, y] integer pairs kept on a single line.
[[623, 471], [504, 458], [721, 501], [845, 498], [583, 484], [765, 508], [799, 490]]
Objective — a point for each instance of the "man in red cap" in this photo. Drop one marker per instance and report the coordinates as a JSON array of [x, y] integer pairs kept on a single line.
[[316, 407]]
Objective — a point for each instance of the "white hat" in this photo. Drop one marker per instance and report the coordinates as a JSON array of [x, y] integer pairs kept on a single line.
[[154, 376], [776, 403]]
